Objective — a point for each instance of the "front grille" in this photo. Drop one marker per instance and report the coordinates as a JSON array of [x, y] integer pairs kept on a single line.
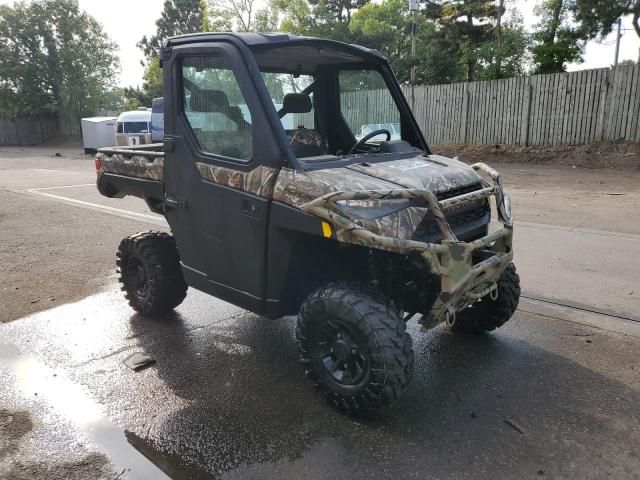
[[456, 192], [467, 224]]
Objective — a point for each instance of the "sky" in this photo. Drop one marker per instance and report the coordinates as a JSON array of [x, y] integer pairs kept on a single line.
[[126, 21]]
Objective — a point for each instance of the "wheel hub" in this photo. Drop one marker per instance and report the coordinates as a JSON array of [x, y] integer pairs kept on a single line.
[[137, 276], [340, 354], [341, 350]]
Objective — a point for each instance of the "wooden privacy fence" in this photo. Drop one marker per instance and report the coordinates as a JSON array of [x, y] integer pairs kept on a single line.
[[27, 131], [557, 109], [366, 107]]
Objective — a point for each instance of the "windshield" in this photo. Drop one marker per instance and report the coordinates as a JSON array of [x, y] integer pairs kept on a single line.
[[361, 106], [330, 99], [367, 105], [133, 127]]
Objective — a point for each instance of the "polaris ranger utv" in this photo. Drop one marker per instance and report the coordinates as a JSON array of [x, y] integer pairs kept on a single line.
[[276, 207]]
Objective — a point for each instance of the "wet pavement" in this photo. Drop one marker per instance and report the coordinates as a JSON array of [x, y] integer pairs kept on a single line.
[[543, 397], [553, 394]]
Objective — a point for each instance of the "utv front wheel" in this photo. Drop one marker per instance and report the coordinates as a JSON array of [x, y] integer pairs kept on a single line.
[[150, 273], [487, 314], [354, 347]]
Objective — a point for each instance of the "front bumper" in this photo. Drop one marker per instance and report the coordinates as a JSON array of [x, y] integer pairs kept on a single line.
[[468, 270]]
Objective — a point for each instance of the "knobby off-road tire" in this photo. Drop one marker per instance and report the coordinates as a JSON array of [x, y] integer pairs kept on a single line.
[[150, 273], [486, 314], [354, 347]]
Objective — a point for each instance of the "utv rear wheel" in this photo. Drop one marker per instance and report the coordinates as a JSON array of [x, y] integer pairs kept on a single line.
[[150, 273], [354, 347], [487, 314]]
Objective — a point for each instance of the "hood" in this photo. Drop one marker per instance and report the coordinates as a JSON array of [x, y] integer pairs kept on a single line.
[[423, 172], [432, 172]]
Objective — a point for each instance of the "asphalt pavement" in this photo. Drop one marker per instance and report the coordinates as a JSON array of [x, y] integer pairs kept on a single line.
[[553, 394]]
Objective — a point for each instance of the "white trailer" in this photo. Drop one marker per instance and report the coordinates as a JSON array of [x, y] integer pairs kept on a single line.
[[98, 132], [134, 127]]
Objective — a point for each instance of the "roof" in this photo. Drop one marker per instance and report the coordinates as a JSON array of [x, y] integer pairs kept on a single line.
[[265, 39], [98, 119], [135, 116]]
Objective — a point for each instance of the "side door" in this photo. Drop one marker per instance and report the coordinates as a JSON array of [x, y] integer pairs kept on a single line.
[[220, 166]]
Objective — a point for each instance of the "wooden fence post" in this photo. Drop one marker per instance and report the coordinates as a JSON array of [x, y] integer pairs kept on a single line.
[[526, 113], [602, 108], [465, 113]]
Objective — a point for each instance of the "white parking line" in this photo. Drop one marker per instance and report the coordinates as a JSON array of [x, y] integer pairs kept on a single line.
[[37, 191], [63, 186]]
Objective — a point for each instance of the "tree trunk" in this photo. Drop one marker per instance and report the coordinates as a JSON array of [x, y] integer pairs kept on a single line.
[[471, 60], [555, 23], [499, 40]]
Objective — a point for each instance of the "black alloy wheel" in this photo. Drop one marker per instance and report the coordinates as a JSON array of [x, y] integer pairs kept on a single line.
[[342, 355]]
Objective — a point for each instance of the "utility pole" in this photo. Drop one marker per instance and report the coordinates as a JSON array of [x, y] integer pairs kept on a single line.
[[618, 35], [413, 8]]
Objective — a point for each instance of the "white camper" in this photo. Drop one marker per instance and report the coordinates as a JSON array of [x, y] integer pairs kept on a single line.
[[97, 132], [134, 128]]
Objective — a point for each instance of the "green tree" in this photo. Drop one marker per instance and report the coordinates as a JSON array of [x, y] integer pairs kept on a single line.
[[386, 27], [54, 58], [243, 16], [297, 16], [506, 54], [472, 21], [135, 97], [316, 18], [152, 80], [119, 100], [597, 17], [178, 17], [557, 41], [339, 10]]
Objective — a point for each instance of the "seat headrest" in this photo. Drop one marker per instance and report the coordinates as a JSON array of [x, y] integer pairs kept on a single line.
[[209, 101], [296, 103]]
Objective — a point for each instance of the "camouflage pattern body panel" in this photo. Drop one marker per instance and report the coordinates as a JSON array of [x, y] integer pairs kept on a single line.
[[139, 166], [463, 281], [434, 173], [258, 181]]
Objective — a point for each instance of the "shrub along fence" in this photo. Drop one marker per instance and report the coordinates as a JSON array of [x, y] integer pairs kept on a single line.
[[558, 109], [28, 131]]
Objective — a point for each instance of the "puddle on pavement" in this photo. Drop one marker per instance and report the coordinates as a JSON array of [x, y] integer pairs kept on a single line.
[[35, 380]]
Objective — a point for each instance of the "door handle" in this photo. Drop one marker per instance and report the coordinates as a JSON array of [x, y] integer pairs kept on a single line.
[[250, 208], [172, 202]]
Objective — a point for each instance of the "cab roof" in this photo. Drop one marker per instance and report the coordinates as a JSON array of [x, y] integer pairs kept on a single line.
[[266, 40]]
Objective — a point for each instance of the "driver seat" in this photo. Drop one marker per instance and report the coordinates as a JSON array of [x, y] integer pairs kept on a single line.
[[306, 142]]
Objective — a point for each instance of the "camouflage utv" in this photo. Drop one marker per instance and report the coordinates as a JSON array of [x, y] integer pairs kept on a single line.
[[276, 207]]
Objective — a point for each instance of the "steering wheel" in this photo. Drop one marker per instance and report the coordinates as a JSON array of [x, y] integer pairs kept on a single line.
[[369, 136]]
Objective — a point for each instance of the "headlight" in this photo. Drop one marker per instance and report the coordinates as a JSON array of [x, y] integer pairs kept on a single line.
[[505, 209], [373, 208]]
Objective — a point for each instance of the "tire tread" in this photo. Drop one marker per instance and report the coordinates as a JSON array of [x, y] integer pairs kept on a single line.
[[486, 315], [388, 342], [158, 252]]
